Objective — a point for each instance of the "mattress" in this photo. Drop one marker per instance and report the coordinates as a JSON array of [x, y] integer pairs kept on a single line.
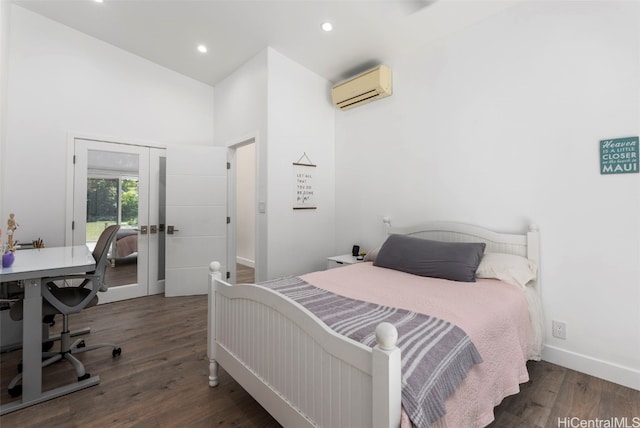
[[493, 313]]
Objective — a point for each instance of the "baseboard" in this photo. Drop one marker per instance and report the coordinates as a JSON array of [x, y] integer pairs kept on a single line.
[[245, 262], [606, 370]]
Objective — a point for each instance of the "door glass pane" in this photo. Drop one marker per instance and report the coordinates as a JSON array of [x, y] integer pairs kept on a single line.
[[162, 186], [102, 206], [112, 198]]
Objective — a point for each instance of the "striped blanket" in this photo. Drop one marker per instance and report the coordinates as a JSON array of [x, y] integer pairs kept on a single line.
[[436, 355]]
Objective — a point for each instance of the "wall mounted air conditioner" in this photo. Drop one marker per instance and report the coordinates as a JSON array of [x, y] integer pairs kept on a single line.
[[365, 87]]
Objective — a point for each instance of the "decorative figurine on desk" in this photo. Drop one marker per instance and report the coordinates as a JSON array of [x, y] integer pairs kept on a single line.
[[7, 256], [11, 227], [7, 259]]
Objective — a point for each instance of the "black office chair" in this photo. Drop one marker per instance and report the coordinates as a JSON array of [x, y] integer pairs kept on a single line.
[[66, 300]]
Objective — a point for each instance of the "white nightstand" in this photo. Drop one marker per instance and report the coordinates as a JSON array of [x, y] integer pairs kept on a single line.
[[343, 260]]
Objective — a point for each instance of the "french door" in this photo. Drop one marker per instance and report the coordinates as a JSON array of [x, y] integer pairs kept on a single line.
[[122, 184]]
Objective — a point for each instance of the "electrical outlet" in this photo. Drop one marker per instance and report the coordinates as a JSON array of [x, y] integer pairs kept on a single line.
[[559, 329]]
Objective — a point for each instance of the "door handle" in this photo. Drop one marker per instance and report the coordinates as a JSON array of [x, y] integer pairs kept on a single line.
[[153, 228], [171, 229], [143, 230]]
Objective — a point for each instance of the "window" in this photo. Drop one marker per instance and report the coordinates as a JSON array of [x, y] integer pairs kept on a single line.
[[111, 201]]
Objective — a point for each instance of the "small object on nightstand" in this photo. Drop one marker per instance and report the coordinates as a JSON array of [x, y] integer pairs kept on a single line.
[[355, 250]]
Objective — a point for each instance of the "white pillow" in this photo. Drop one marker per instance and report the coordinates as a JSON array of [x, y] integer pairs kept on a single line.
[[372, 255], [510, 268]]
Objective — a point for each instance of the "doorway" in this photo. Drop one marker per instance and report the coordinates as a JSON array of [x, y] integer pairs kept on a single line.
[[243, 209], [124, 184], [246, 212]]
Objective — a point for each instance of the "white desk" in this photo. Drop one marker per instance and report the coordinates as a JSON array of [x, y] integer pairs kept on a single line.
[[31, 266]]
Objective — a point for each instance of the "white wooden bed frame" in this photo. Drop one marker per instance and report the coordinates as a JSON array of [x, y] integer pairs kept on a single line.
[[302, 372]]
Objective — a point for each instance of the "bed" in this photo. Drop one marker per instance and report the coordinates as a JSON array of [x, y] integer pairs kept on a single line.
[[305, 374], [126, 243]]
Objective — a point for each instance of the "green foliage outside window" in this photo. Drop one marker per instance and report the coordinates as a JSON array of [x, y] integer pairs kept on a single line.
[[130, 202], [102, 204]]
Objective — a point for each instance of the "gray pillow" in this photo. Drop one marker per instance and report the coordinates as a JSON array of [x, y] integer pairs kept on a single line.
[[456, 261]]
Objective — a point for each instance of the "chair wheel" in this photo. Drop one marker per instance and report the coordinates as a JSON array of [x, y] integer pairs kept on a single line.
[[81, 344], [116, 352], [84, 377], [16, 391], [49, 319]]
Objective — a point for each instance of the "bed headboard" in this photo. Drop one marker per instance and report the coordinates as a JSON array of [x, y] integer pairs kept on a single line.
[[525, 244]]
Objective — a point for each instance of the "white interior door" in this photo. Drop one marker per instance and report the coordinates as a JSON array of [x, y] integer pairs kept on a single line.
[[113, 184], [196, 211]]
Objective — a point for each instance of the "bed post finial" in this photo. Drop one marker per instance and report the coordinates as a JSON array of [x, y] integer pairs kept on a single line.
[[386, 377], [386, 336], [214, 267], [214, 274]]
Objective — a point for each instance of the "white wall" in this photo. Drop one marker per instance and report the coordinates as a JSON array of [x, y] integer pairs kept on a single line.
[[284, 107], [5, 24], [241, 102], [301, 120], [62, 81], [499, 126], [241, 115]]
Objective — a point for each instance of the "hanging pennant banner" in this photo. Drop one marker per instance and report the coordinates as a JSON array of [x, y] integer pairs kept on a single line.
[[619, 156]]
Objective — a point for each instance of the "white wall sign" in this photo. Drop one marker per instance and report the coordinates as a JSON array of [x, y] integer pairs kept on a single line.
[[303, 185]]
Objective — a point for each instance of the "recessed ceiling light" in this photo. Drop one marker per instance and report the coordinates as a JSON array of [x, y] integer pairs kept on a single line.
[[98, 1], [202, 49], [327, 26]]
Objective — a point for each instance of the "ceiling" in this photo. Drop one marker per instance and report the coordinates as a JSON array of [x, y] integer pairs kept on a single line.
[[366, 32]]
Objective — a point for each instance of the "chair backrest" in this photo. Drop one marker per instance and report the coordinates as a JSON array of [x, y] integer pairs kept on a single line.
[[96, 278], [101, 251]]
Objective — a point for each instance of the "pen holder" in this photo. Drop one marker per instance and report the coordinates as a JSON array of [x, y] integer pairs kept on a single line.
[[7, 259]]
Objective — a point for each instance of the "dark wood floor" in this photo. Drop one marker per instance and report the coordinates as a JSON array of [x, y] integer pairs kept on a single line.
[[160, 380], [244, 274], [125, 271], [555, 394]]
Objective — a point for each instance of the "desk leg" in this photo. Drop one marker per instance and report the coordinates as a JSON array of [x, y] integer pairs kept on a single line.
[[32, 341], [32, 355]]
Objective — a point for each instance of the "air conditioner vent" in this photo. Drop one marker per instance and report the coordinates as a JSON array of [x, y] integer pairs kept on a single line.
[[365, 87]]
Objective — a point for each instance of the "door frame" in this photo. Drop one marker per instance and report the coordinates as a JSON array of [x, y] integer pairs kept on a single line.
[[260, 204], [152, 285]]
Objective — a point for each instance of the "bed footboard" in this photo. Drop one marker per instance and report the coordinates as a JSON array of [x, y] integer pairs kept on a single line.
[[298, 369]]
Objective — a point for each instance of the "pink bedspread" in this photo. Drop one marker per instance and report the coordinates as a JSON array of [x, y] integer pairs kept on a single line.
[[494, 315]]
